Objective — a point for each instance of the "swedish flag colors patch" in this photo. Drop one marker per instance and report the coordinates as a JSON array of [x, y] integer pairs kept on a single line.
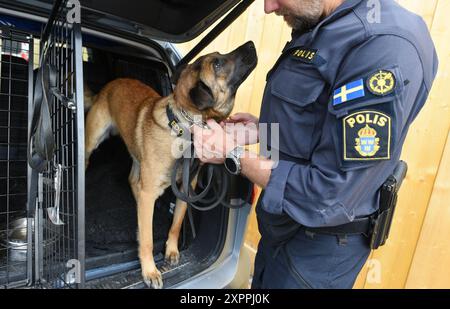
[[351, 91]]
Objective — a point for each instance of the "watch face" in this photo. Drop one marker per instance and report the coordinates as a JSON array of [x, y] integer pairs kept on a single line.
[[231, 166]]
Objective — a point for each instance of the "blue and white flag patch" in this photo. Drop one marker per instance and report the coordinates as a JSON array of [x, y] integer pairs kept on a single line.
[[351, 91]]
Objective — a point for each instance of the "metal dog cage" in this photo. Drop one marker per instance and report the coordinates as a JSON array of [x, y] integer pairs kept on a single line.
[[45, 205], [16, 67], [59, 217], [42, 209]]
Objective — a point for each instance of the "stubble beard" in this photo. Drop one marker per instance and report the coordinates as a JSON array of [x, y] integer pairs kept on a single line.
[[304, 17]]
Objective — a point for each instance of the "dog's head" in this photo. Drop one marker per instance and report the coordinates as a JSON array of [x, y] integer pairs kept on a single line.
[[208, 86]]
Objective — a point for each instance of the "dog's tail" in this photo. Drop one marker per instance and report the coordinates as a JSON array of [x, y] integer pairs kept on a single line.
[[89, 97]]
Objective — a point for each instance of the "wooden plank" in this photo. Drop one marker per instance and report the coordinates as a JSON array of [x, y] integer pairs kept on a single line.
[[430, 264], [362, 277], [253, 31], [426, 9], [423, 150]]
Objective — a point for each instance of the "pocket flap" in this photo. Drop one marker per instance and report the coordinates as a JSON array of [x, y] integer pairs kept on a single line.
[[297, 88]]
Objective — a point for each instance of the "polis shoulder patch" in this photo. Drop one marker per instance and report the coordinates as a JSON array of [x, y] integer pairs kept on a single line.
[[366, 136], [305, 54], [381, 83]]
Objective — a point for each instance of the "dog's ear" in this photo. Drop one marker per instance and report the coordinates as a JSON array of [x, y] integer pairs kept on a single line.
[[176, 75], [202, 96]]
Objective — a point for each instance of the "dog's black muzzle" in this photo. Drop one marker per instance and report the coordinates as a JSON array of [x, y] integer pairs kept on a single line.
[[245, 59]]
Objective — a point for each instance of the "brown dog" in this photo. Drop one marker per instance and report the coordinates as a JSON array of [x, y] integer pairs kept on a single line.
[[207, 88]]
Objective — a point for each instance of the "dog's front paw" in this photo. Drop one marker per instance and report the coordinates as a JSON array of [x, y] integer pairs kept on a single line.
[[172, 257], [153, 278]]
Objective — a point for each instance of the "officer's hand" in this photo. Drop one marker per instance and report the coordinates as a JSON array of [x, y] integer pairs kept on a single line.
[[213, 144], [244, 118], [243, 127]]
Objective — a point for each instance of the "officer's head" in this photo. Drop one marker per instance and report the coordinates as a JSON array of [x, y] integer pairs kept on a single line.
[[301, 14]]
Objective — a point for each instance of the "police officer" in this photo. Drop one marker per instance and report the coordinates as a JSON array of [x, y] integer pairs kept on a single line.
[[344, 93]]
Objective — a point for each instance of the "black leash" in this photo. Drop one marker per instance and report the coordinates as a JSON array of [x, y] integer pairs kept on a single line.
[[212, 179], [41, 145]]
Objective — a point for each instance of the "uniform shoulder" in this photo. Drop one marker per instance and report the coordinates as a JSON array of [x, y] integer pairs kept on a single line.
[[389, 17], [373, 18]]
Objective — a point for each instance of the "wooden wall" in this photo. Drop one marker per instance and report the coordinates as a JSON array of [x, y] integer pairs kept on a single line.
[[417, 253]]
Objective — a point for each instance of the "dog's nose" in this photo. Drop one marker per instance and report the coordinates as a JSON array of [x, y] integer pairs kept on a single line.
[[250, 45]]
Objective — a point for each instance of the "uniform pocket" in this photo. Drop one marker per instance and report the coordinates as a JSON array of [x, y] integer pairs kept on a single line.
[[294, 94]]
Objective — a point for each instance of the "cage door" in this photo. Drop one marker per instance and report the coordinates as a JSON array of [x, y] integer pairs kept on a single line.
[[59, 254]]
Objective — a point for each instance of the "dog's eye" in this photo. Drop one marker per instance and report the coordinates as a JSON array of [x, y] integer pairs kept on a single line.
[[217, 64]]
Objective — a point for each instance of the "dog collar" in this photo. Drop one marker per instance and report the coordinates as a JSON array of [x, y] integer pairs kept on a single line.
[[193, 121], [174, 123]]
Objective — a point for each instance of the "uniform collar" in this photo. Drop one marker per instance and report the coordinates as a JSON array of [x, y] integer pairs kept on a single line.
[[340, 11]]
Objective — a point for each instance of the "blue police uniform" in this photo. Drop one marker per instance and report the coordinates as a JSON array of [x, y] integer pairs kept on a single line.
[[344, 95]]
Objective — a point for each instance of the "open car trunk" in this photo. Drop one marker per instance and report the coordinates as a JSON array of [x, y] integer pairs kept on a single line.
[[110, 209], [110, 217]]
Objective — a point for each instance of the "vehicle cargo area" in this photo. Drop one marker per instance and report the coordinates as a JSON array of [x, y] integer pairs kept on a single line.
[[110, 219]]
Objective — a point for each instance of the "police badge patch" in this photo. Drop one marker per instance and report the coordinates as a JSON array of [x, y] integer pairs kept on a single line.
[[381, 83], [367, 136]]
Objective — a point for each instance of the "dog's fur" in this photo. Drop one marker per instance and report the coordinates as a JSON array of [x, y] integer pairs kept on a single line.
[[207, 88]]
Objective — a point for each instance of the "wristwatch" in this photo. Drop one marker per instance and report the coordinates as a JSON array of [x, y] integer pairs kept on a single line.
[[233, 160]]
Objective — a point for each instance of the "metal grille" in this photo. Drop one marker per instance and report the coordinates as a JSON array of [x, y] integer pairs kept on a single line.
[[15, 227], [60, 217]]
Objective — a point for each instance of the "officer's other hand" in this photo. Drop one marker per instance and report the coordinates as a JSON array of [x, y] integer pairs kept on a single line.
[[243, 127], [244, 118]]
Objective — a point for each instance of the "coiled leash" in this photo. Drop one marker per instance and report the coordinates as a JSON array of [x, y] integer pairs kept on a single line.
[[213, 180]]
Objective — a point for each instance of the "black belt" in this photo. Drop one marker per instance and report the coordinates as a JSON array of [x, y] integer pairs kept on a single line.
[[358, 226]]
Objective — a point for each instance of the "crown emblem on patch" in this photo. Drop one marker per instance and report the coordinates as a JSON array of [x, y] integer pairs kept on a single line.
[[367, 144], [367, 132]]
